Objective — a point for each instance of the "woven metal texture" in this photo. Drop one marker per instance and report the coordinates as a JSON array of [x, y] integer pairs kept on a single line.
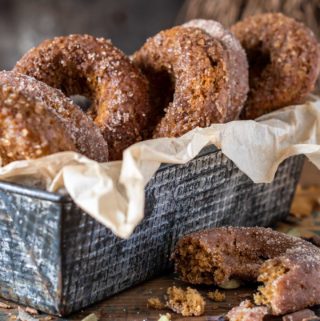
[[30, 250], [58, 259]]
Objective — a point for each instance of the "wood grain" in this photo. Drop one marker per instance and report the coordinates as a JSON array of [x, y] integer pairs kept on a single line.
[[131, 305], [230, 11]]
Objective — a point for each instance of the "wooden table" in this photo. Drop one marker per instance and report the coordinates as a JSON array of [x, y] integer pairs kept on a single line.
[[131, 305]]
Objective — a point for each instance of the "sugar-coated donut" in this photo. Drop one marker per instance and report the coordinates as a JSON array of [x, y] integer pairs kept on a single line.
[[237, 60], [284, 59], [93, 67], [38, 120], [287, 266], [193, 80]]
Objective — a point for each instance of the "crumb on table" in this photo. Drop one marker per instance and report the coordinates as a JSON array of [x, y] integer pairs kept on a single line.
[[155, 303], [32, 311], [216, 296], [185, 302], [5, 306], [305, 314], [165, 317], [247, 311]]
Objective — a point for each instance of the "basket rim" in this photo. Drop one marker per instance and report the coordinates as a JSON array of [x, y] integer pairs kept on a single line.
[[38, 193]]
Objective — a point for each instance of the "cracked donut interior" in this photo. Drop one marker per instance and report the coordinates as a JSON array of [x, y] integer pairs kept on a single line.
[[269, 274], [197, 266]]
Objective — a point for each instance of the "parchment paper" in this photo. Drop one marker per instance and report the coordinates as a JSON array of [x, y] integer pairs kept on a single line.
[[113, 192]]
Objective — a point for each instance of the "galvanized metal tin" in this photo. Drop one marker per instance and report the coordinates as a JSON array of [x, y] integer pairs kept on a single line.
[[58, 259]]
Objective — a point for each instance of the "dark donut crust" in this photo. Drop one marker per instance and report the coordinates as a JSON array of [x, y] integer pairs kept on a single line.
[[37, 120], [237, 62], [287, 265], [189, 78], [93, 67], [284, 58]]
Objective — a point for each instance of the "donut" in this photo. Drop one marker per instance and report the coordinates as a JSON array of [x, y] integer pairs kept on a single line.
[[237, 59], [283, 59], [286, 266], [94, 68], [37, 120], [193, 80]]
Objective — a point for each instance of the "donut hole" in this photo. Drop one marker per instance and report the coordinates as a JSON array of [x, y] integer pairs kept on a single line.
[[82, 101], [162, 90], [259, 59], [76, 86], [269, 274], [214, 63], [166, 86]]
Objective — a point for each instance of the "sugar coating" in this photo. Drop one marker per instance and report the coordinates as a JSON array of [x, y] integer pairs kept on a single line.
[[37, 120], [287, 266], [246, 311], [237, 59], [190, 80], [93, 67], [284, 61]]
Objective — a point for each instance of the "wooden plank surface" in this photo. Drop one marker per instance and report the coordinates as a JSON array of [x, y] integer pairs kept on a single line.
[[131, 305]]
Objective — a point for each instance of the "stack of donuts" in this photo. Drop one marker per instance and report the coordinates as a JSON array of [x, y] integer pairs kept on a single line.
[[192, 75]]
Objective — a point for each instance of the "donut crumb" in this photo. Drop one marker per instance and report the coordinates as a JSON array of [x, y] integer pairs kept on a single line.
[[216, 296], [165, 317], [247, 311], [155, 303], [187, 302]]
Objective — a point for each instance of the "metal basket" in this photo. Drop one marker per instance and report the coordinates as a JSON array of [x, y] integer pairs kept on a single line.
[[58, 259]]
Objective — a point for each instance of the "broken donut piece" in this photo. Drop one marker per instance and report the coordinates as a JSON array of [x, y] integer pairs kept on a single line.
[[287, 266], [247, 311], [187, 302]]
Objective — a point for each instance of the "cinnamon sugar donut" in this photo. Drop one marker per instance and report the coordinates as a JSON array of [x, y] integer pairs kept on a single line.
[[237, 60], [287, 266], [93, 67], [193, 80], [38, 120], [283, 59]]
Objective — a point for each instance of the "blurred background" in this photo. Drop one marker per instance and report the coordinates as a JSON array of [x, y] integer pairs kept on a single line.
[[25, 23]]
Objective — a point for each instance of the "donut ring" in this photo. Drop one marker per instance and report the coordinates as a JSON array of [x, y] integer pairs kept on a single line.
[[190, 81], [283, 59], [237, 59], [93, 67], [287, 266], [38, 120]]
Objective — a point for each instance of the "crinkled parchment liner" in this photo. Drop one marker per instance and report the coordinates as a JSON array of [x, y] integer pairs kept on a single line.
[[113, 192]]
